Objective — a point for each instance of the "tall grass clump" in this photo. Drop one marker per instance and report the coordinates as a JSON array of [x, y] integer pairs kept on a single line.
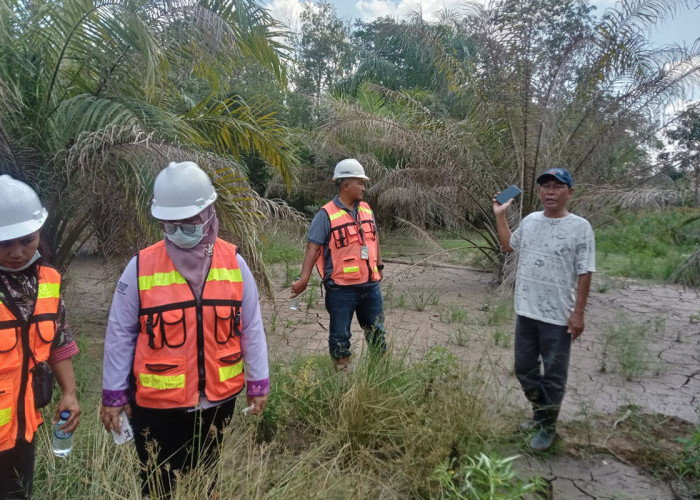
[[648, 245], [689, 467], [380, 430], [626, 347]]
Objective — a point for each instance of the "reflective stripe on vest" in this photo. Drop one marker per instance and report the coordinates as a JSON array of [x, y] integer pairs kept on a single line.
[[40, 329], [5, 416], [345, 246], [174, 277], [227, 372], [184, 343], [161, 382]]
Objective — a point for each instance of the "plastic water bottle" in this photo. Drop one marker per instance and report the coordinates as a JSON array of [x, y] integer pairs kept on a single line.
[[62, 441]]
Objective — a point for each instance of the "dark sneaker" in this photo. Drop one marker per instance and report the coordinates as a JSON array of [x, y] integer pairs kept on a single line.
[[543, 440], [528, 425]]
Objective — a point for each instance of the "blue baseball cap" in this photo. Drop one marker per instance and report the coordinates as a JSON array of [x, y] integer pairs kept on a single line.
[[560, 174]]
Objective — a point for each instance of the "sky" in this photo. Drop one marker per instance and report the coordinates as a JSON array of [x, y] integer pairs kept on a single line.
[[685, 28]]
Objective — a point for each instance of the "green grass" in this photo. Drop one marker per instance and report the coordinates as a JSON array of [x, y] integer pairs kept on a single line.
[[381, 430], [626, 348], [460, 251], [648, 245], [282, 244]]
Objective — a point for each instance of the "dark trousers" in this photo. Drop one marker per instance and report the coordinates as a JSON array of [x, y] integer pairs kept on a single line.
[[542, 366], [344, 301], [17, 471], [176, 440]]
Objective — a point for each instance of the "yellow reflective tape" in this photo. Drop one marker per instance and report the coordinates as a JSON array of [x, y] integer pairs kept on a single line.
[[49, 291], [162, 381], [161, 279], [5, 416], [336, 215], [227, 372], [353, 269], [376, 269], [363, 209], [223, 274]]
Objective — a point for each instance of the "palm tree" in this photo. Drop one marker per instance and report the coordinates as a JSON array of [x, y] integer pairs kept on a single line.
[[96, 96], [547, 84]]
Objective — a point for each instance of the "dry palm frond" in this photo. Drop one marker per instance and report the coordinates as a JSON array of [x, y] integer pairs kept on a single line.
[[688, 273], [597, 199], [107, 187], [418, 233]]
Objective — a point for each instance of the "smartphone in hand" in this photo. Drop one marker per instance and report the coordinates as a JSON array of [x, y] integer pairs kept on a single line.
[[126, 433], [507, 194]]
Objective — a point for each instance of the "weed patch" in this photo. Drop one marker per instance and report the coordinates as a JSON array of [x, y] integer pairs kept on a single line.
[[626, 347]]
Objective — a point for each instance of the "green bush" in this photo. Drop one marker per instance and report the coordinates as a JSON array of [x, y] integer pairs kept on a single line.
[[648, 245]]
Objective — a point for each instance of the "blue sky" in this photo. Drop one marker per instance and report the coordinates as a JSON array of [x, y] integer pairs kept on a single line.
[[685, 28]]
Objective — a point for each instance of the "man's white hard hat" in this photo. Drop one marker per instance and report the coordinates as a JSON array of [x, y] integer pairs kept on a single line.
[[21, 212], [181, 191], [349, 167]]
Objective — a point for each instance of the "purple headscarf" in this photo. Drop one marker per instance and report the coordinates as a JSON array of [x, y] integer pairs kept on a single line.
[[193, 263]]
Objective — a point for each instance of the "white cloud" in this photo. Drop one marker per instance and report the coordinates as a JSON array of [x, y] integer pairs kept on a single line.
[[286, 11]]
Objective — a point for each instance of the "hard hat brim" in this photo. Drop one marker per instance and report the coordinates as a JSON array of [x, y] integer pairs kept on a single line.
[[23, 228], [177, 213], [350, 177]]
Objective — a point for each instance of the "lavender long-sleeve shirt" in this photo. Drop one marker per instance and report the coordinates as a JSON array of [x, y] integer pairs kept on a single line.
[[123, 330]]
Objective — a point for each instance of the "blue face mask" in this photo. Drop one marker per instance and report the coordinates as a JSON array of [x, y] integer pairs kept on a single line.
[[186, 241], [31, 261]]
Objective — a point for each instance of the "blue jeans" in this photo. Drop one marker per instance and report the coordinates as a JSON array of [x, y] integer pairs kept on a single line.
[[542, 366], [366, 302]]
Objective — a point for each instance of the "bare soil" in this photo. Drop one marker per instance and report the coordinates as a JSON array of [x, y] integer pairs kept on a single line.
[[627, 401]]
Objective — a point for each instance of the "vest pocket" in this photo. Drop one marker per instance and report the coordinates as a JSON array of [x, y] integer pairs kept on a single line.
[[9, 356], [228, 323], [7, 409], [172, 327], [229, 365], [352, 233], [351, 268], [45, 333], [161, 381], [369, 231], [166, 328]]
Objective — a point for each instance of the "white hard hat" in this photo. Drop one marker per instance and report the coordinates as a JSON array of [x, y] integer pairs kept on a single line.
[[21, 212], [349, 167], [181, 191]]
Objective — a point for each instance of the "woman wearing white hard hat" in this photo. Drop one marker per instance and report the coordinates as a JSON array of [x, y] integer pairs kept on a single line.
[[33, 332], [184, 320]]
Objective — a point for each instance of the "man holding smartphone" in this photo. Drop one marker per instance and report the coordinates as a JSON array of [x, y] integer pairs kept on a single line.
[[555, 264]]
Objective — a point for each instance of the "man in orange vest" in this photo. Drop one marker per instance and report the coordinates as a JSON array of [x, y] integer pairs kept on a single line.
[[184, 321], [343, 244]]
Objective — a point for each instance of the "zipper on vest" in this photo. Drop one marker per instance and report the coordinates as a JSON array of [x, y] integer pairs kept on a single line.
[[200, 332], [200, 346], [21, 417]]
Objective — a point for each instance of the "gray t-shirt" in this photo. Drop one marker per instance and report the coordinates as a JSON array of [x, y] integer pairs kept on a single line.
[[552, 254]]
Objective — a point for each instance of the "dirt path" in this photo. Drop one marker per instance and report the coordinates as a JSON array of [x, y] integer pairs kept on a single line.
[[640, 354]]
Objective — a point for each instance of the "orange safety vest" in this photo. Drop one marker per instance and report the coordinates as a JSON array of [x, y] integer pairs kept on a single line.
[[23, 344], [187, 345], [345, 245]]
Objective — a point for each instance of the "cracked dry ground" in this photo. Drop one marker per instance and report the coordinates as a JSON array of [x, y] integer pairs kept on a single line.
[[614, 431]]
